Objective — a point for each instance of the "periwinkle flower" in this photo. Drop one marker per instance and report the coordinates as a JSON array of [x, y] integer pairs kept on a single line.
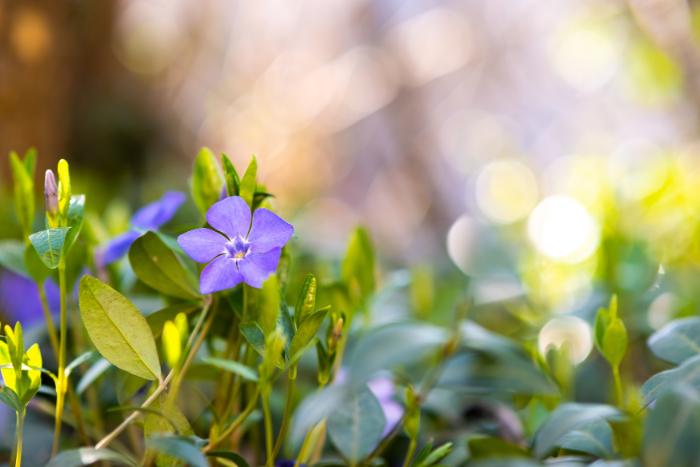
[[20, 301], [150, 217], [238, 250]]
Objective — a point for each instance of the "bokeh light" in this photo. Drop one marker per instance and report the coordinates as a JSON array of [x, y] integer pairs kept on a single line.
[[506, 191], [571, 331], [562, 229]]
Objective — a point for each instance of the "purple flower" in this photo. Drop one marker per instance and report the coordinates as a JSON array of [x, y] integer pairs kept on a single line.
[[150, 217], [19, 298], [238, 250]]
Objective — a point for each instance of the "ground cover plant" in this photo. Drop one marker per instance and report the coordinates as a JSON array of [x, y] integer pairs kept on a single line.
[[219, 341]]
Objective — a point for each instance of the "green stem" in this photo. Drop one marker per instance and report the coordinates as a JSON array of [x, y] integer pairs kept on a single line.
[[18, 438], [287, 410], [269, 456], [61, 389], [618, 385], [411, 450], [236, 423]]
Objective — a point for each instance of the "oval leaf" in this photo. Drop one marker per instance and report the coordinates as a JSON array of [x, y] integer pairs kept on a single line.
[[677, 341], [158, 267], [49, 245], [118, 330], [356, 427]]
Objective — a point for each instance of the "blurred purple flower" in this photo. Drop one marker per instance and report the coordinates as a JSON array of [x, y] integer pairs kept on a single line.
[[19, 298], [384, 390], [150, 217], [246, 252]]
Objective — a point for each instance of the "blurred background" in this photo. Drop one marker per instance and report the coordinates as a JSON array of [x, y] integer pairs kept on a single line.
[[544, 152], [503, 137]]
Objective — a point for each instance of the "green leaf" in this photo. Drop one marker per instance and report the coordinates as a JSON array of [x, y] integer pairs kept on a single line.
[[255, 336], [356, 427], [389, 346], [49, 245], [233, 183], [672, 429], [8, 397], [307, 299], [12, 256], [180, 447], [158, 266], [307, 330], [565, 419], [358, 268], [36, 268], [434, 456], [249, 182], [233, 367], [207, 182], [688, 373], [594, 438], [615, 342], [269, 306], [678, 341], [229, 455], [118, 330], [89, 456], [23, 190], [76, 214]]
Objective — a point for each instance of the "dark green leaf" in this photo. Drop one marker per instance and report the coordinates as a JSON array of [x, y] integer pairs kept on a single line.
[[49, 245], [688, 373], [76, 213], [392, 345], [356, 426], [306, 303], [254, 335], [118, 330], [672, 429], [158, 267], [594, 438], [8, 397], [677, 341], [307, 330], [233, 183], [565, 419]]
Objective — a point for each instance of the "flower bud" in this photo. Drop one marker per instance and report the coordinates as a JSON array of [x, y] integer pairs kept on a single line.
[[51, 198], [64, 189]]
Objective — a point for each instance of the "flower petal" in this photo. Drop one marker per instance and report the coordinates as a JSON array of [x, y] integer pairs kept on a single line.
[[268, 231], [256, 267], [202, 245], [230, 216], [220, 274], [117, 247], [154, 215]]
